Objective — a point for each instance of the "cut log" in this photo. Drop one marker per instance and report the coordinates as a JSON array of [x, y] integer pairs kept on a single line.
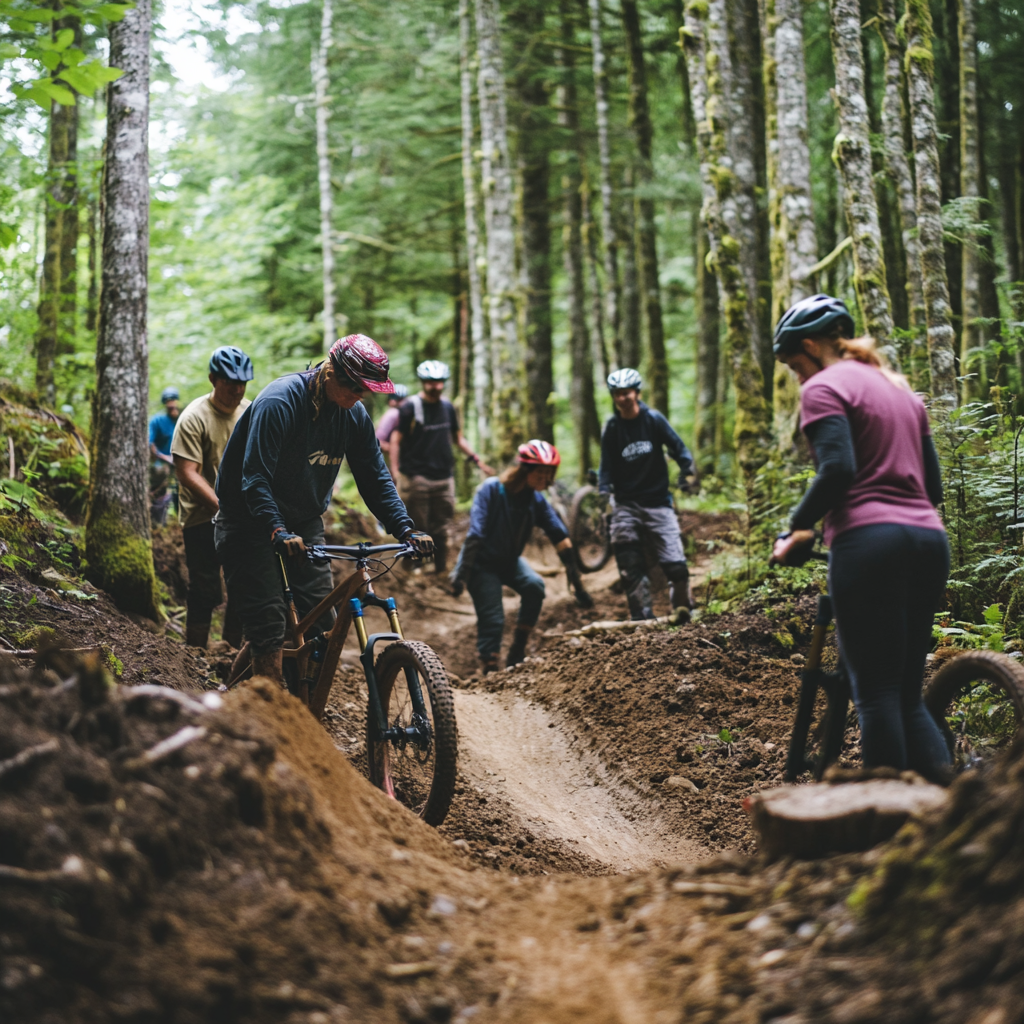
[[812, 821], [677, 618]]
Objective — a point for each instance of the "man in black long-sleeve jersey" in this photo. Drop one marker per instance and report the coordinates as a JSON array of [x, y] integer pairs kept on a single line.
[[633, 469], [275, 483]]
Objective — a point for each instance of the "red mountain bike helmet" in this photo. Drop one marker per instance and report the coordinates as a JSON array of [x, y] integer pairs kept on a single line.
[[538, 453], [362, 360]]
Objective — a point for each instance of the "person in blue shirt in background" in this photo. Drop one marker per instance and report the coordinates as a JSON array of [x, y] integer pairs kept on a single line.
[[161, 472], [505, 511]]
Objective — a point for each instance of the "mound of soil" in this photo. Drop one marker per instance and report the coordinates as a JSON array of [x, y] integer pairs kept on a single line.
[[692, 719], [166, 860]]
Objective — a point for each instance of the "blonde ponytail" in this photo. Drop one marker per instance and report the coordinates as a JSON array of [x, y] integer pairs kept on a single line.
[[865, 350]]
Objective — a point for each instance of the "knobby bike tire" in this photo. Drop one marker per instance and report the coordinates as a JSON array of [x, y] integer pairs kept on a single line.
[[429, 798], [964, 670], [593, 547]]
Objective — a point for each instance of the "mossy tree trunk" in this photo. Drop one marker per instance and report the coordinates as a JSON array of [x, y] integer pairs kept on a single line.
[[708, 411], [794, 244], [972, 334], [647, 230], [894, 135], [852, 155], [921, 90], [609, 240], [478, 335], [535, 176], [600, 342], [321, 90], [506, 351], [67, 320], [708, 59], [581, 388], [117, 530]]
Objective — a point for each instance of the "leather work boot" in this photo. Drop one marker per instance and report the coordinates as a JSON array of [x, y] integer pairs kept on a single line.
[[517, 649], [197, 634], [489, 663]]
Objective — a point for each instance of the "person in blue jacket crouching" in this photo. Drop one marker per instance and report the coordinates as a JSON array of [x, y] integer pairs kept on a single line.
[[505, 511]]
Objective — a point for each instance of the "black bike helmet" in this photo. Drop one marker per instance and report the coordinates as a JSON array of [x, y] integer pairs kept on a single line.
[[809, 317], [231, 363]]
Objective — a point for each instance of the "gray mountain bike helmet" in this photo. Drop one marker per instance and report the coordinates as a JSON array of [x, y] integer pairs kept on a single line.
[[433, 369], [400, 392], [169, 395], [809, 317], [625, 378], [231, 362]]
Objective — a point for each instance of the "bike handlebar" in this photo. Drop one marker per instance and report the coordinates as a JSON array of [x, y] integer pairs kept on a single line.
[[323, 552]]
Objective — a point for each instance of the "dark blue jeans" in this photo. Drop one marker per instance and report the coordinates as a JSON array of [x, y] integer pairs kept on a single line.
[[485, 588], [887, 582]]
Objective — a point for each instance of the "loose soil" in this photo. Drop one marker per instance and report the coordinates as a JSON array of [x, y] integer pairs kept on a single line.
[[246, 871]]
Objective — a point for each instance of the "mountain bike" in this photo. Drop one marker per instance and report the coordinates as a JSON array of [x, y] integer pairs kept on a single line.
[[411, 735], [589, 522], [985, 678]]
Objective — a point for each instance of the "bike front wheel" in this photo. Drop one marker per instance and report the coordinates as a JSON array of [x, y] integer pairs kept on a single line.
[[419, 771], [588, 529], [977, 701]]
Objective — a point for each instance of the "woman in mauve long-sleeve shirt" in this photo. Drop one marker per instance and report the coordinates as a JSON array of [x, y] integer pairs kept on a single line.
[[877, 487]]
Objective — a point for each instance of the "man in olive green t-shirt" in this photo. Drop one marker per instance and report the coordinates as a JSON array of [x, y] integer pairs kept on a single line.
[[200, 437]]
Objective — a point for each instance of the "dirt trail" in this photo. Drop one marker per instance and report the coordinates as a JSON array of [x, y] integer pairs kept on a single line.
[[514, 748]]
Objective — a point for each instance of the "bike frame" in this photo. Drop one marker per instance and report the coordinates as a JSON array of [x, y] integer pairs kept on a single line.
[[347, 604]]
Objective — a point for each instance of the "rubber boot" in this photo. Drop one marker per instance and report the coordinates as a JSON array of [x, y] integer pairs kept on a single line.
[[639, 600], [489, 663], [197, 634], [681, 595], [269, 665], [517, 649]]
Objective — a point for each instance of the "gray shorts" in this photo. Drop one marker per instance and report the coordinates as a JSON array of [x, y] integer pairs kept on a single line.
[[255, 590], [658, 527]]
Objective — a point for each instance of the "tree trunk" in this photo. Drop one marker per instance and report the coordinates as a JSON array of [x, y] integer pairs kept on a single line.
[[708, 59], [478, 336], [321, 89], [117, 531], [894, 140], [631, 328], [706, 411], [972, 334], [581, 390], [93, 295], [852, 154], [496, 171], [50, 280], [920, 87], [600, 345], [534, 173], [613, 291], [647, 235], [794, 244]]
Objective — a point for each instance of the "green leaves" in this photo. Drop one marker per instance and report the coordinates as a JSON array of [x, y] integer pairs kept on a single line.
[[61, 66]]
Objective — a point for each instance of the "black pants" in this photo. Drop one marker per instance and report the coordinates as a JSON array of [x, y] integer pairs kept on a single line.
[[253, 575], [204, 589], [886, 583]]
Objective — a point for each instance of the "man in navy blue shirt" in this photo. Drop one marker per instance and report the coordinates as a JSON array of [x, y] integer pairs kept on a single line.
[[633, 469], [161, 470], [275, 483]]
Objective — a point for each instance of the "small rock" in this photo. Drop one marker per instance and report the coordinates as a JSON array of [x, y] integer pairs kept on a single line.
[[682, 783], [443, 905], [797, 659]]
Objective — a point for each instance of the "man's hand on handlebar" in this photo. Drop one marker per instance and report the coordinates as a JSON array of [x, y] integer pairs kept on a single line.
[[290, 544], [793, 548], [422, 543]]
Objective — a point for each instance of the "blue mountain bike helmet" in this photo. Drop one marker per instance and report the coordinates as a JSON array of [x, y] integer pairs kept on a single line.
[[232, 363]]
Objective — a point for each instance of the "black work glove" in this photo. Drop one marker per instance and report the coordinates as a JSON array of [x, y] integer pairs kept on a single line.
[[457, 582], [422, 543], [290, 544], [688, 486], [572, 574]]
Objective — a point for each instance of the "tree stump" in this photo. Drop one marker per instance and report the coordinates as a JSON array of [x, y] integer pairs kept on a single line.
[[812, 821]]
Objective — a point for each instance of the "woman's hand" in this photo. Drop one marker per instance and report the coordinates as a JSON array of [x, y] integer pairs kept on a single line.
[[786, 545]]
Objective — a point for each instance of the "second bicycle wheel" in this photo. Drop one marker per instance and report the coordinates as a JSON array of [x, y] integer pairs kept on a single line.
[[977, 700], [419, 773], [588, 529]]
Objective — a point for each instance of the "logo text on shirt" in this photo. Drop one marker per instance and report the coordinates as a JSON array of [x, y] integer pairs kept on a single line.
[[636, 449], [321, 458]]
